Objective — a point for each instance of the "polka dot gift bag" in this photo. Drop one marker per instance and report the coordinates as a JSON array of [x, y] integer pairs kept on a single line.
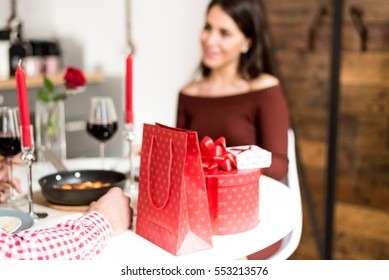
[[173, 208]]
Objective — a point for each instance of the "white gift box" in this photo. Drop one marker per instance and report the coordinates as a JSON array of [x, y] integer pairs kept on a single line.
[[250, 156]]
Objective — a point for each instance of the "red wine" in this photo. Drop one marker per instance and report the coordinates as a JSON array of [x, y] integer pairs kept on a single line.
[[102, 132], [9, 146]]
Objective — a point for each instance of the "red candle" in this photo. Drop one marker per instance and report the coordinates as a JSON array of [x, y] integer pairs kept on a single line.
[[23, 106], [129, 111]]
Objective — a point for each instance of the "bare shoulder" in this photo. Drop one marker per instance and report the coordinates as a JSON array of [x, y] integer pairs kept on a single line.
[[264, 81], [191, 89]]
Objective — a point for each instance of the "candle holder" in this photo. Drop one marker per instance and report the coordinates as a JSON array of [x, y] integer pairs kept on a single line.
[[28, 157], [129, 135]]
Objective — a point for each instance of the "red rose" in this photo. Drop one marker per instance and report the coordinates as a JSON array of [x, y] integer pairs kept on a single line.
[[74, 78]]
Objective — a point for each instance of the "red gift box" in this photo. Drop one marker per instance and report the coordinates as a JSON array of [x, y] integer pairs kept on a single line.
[[233, 199], [233, 195]]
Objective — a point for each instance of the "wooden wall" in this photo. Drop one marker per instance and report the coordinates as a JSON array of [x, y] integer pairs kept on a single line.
[[363, 131]]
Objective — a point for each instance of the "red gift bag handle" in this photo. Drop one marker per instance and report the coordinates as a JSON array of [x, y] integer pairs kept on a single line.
[[168, 172]]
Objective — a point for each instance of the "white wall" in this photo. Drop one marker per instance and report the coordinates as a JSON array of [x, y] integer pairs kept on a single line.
[[93, 36], [167, 53]]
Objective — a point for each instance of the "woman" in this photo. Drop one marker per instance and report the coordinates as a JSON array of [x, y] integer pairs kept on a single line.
[[237, 96]]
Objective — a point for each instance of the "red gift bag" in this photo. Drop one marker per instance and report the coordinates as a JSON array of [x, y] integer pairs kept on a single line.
[[172, 202]]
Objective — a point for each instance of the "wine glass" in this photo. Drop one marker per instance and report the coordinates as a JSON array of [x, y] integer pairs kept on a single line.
[[102, 121], [9, 143]]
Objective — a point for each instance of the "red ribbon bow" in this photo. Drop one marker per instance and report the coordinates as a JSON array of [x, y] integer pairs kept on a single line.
[[215, 156]]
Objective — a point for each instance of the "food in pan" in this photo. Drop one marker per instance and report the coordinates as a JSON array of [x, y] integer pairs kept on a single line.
[[82, 185], [94, 184]]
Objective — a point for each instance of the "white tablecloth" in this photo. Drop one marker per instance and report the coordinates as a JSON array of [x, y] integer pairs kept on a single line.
[[279, 213]]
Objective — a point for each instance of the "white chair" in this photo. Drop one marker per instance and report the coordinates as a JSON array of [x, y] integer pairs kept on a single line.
[[291, 241]]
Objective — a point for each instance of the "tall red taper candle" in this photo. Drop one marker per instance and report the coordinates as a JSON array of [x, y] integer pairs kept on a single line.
[[129, 111], [23, 106]]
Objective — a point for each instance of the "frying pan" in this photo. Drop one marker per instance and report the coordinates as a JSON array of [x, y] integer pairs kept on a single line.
[[76, 197]]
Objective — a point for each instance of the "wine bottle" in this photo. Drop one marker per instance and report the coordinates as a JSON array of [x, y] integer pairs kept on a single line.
[[19, 48]]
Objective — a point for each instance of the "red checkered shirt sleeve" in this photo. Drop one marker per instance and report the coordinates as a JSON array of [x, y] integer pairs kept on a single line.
[[78, 239]]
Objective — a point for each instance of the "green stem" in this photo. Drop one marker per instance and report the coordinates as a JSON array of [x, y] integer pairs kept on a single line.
[[52, 122]]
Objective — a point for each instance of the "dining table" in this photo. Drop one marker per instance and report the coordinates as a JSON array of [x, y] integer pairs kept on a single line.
[[279, 213]]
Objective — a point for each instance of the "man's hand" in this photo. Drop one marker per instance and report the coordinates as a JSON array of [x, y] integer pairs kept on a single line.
[[115, 207]]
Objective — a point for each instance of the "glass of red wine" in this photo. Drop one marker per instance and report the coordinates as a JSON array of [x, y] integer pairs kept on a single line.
[[9, 144], [102, 121]]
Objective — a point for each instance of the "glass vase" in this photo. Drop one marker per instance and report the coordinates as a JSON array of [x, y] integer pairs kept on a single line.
[[50, 129]]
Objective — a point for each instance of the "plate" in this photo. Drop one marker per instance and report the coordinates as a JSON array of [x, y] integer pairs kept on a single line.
[[27, 221]]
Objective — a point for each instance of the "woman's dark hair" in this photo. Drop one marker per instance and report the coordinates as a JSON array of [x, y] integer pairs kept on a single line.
[[250, 18]]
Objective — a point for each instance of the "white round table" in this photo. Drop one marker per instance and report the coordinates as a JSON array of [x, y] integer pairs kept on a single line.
[[280, 212]]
